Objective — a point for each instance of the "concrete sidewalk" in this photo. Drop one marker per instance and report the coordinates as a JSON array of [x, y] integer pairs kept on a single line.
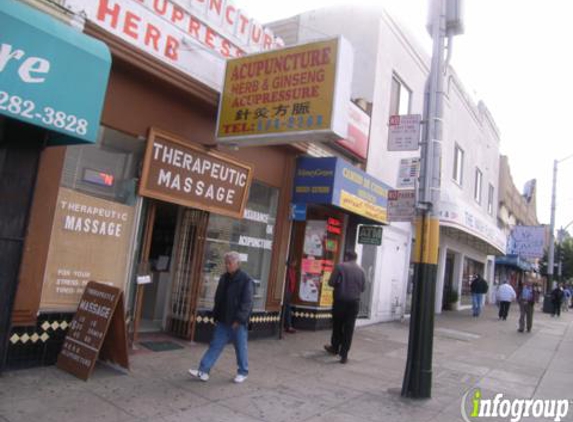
[[294, 380]]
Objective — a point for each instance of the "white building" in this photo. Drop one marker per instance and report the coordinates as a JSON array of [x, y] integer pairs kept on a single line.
[[390, 72]]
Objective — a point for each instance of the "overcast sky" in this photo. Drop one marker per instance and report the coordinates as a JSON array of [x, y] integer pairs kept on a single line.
[[516, 56]]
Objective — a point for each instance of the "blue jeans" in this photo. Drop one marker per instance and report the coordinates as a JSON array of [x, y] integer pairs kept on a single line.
[[224, 334], [476, 303]]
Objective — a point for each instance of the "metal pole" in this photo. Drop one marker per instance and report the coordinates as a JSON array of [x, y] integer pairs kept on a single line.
[[551, 255], [418, 374]]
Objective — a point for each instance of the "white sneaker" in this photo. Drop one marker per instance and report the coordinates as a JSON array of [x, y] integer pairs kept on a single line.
[[195, 373], [240, 379]]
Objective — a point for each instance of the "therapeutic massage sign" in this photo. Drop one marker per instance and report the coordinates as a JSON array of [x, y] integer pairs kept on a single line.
[[90, 241], [177, 172], [277, 95]]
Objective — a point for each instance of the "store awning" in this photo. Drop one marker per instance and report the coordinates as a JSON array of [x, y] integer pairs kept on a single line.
[[334, 181], [514, 261], [51, 75]]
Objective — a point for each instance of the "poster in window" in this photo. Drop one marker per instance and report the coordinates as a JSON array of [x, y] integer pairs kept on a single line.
[[90, 240], [326, 292], [309, 287], [314, 237]]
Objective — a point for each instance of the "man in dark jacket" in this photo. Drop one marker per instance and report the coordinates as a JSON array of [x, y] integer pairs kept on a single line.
[[349, 281], [232, 310], [479, 288]]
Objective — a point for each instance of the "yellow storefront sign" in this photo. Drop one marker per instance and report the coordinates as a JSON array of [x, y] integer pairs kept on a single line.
[[285, 92], [362, 207]]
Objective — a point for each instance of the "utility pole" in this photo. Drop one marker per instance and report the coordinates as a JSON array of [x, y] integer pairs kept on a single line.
[[551, 255], [445, 22]]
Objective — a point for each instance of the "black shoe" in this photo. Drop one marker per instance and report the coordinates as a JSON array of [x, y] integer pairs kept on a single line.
[[520, 331], [330, 349], [344, 359]]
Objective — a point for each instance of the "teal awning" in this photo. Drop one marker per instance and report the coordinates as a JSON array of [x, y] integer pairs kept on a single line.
[[51, 75]]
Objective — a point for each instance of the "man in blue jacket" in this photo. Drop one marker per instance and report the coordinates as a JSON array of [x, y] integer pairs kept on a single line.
[[232, 310]]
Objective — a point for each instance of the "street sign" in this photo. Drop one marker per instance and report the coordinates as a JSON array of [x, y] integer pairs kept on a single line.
[[408, 172], [370, 235], [404, 132], [401, 205]]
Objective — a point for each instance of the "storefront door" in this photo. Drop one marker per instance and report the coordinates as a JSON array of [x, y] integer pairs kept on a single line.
[[448, 281], [20, 148], [186, 272], [368, 263], [172, 257]]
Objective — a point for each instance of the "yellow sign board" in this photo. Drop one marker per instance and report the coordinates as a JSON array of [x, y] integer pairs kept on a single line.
[[293, 94]]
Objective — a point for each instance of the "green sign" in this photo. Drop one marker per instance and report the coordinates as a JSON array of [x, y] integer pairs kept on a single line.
[[51, 75], [370, 235]]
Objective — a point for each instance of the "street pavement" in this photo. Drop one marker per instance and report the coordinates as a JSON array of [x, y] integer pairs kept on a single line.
[[295, 380]]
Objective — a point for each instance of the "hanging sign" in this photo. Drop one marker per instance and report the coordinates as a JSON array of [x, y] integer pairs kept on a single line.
[[97, 331], [408, 172], [401, 205], [404, 132], [294, 94], [188, 175]]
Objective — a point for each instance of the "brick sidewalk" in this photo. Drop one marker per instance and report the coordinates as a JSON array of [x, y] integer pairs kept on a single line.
[[294, 380]]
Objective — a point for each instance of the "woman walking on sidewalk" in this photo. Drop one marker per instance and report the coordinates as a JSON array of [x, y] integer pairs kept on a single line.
[[505, 295]]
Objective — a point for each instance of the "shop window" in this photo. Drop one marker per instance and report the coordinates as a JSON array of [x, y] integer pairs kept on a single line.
[[92, 232], [400, 97], [252, 237], [107, 170], [471, 268]]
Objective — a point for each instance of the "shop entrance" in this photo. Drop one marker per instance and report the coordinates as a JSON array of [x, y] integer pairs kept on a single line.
[[171, 256], [448, 282]]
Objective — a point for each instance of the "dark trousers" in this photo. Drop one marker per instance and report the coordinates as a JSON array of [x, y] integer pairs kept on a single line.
[[288, 310], [504, 309], [557, 308], [526, 314], [343, 320]]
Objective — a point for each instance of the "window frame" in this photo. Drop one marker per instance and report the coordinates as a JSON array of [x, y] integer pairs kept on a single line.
[[397, 102], [478, 186], [490, 199], [458, 165]]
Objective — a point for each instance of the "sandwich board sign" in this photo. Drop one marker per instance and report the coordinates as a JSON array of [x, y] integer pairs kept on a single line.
[[97, 331]]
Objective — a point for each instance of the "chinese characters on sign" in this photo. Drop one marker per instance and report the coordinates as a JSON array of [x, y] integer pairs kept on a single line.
[[404, 133], [274, 96]]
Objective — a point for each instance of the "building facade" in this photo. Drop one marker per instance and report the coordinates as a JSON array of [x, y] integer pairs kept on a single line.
[[515, 209], [390, 73]]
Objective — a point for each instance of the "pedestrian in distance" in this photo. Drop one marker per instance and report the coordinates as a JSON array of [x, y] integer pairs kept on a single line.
[[232, 310], [556, 299], [566, 298], [289, 293], [348, 281], [505, 295], [527, 298], [479, 288]]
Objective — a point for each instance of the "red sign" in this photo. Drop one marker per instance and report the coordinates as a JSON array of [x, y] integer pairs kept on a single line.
[[358, 132]]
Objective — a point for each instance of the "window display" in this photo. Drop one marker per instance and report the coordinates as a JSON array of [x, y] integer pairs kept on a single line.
[[252, 237]]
